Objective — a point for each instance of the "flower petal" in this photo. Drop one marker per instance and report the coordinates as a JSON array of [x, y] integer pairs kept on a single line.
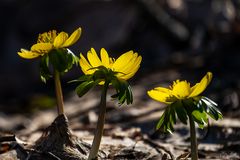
[[128, 66], [131, 69], [181, 89], [28, 54], [162, 95], [60, 40], [73, 38], [93, 58], [121, 62], [85, 66], [201, 86], [105, 58], [133, 64], [42, 48]]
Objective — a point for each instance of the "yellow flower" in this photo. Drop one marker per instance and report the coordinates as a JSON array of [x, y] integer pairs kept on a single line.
[[48, 41], [125, 66], [180, 90]]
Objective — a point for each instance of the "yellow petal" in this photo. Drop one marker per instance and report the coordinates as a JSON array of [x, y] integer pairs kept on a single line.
[[42, 48], [181, 89], [131, 70], [130, 64], [73, 38], [60, 40], [201, 86], [162, 95], [85, 66], [133, 64], [121, 62], [93, 58], [105, 58], [101, 83], [28, 54]]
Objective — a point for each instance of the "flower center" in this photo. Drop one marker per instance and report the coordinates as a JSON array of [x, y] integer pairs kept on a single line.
[[47, 37], [181, 89]]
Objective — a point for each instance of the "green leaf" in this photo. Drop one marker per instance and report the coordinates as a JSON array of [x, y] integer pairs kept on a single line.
[[167, 120], [200, 117], [102, 73], [116, 85], [122, 87], [84, 87], [123, 91], [75, 59], [99, 75], [161, 120], [62, 59], [201, 126], [122, 96], [211, 108], [44, 68], [129, 95], [82, 79], [181, 112], [191, 105], [172, 115]]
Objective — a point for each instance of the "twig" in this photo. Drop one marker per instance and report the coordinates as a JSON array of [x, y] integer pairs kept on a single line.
[[53, 156], [48, 154]]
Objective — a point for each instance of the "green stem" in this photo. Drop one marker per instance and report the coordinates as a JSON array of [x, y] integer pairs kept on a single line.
[[194, 149], [58, 90], [100, 125]]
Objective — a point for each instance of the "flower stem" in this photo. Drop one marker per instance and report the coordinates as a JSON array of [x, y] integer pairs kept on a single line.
[[58, 90], [100, 125], [194, 149]]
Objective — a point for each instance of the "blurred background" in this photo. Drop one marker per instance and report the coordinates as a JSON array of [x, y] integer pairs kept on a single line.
[[186, 38]]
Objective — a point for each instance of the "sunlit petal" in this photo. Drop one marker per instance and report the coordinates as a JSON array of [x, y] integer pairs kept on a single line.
[[105, 58], [201, 86], [60, 39], [85, 66], [162, 95], [127, 74], [181, 89], [42, 48], [73, 38], [93, 58], [28, 54], [128, 66], [121, 62], [133, 64]]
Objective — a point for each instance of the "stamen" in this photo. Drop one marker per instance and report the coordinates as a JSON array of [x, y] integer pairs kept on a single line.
[[47, 37]]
